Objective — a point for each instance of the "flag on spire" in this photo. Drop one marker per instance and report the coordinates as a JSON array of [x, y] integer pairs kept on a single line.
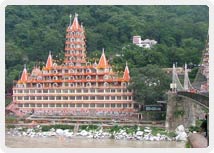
[[126, 75]]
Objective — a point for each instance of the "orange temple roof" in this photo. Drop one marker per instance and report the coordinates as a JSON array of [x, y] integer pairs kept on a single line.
[[103, 62], [126, 75], [49, 62], [24, 75]]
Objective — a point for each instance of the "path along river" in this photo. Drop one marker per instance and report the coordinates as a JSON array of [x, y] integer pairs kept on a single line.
[[78, 142]]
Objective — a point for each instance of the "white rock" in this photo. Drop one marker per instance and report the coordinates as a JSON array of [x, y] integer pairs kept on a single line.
[[139, 133], [147, 130], [179, 129], [59, 131], [181, 136], [83, 133]]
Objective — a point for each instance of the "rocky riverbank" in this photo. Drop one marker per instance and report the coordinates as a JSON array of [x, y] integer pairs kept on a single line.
[[93, 132]]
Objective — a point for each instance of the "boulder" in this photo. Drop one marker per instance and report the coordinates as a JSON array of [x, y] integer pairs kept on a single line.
[[59, 131], [182, 136], [179, 129], [83, 133], [139, 133]]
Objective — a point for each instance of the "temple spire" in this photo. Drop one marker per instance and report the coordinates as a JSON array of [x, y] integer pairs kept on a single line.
[[49, 62], [103, 62], [24, 74], [126, 75], [75, 24]]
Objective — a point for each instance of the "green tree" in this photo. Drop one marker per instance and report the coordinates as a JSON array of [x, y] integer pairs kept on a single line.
[[149, 84]]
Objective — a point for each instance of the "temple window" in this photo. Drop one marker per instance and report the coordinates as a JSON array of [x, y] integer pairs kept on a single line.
[[65, 98], [107, 105], [58, 105], [58, 97], [100, 97], [39, 105], [113, 105], [118, 105], [51, 98], [92, 105], [65, 105], [51, 91], [26, 98], [45, 105], [39, 91], [72, 97], [39, 98], [32, 105], [32, 97], [20, 105], [45, 98], [45, 90], [85, 105], [125, 105], [85, 97], [52, 105], [26, 105], [92, 98], [100, 105], [79, 105], [72, 105], [106, 97], [26, 91]]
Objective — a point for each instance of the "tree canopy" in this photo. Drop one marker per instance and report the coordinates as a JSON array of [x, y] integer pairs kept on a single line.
[[149, 84]]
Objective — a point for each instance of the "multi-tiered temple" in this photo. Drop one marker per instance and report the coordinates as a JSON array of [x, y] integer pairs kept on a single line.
[[76, 87]]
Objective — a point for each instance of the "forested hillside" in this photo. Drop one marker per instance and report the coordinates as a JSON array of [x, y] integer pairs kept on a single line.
[[33, 31]]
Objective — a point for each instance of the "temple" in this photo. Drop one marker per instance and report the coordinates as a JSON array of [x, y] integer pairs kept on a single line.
[[75, 87]]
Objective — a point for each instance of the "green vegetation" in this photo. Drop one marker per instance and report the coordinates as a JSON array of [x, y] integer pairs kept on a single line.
[[187, 145], [10, 119], [88, 127], [178, 113], [10, 126], [149, 84], [181, 32], [57, 126], [197, 127], [154, 115]]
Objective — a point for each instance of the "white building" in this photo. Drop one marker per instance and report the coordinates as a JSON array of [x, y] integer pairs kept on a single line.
[[147, 43]]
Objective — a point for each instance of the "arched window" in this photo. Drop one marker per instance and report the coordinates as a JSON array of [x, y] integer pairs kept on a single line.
[[71, 64], [88, 64], [71, 84], [55, 78], [39, 85], [106, 84], [123, 84], [88, 70], [55, 71], [105, 77], [88, 77], [39, 78], [88, 84], [71, 71], [72, 77], [55, 85]]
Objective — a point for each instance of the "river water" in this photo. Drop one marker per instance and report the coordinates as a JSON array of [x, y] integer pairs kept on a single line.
[[77, 142]]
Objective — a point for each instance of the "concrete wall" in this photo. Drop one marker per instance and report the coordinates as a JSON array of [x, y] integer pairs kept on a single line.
[[181, 110]]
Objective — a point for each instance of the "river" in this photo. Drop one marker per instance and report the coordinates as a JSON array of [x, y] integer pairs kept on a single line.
[[78, 142]]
